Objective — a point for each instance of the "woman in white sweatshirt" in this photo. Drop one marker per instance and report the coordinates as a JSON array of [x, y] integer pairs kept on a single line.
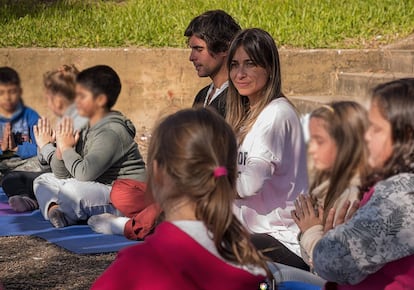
[[271, 149]]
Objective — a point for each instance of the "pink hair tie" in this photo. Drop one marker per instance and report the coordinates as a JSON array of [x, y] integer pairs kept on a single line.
[[220, 171]]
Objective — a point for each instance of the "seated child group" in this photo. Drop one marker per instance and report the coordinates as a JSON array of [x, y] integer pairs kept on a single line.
[[230, 179]]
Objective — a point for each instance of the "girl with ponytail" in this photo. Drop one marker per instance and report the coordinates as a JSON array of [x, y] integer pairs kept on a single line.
[[192, 174]]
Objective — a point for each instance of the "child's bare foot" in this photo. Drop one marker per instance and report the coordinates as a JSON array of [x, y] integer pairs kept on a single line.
[[22, 203]]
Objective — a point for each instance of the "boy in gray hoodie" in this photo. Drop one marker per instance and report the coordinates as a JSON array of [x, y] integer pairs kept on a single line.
[[86, 163]]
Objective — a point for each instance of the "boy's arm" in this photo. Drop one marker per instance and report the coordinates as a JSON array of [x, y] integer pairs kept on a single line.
[[26, 150], [29, 148], [104, 150], [58, 167], [45, 139], [45, 153]]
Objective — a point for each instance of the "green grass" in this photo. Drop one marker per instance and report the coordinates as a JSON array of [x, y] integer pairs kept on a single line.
[[161, 23]]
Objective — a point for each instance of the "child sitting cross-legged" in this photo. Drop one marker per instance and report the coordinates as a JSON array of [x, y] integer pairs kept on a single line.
[[18, 147], [59, 87], [86, 163]]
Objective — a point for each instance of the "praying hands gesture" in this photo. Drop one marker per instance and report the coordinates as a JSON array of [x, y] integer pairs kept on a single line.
[[8, 140], [305, 216], [43, 132], [345, 213], [66, 137]]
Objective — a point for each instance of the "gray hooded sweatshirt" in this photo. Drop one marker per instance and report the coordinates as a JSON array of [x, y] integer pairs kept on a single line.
[[104, 152]]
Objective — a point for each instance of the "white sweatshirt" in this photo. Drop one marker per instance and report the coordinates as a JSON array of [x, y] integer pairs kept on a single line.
[[272, 173]]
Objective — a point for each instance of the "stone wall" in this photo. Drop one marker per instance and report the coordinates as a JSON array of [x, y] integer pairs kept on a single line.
[[160, 81]]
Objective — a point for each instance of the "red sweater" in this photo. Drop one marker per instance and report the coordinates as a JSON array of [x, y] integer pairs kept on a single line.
[[397, 275], [171, 259]]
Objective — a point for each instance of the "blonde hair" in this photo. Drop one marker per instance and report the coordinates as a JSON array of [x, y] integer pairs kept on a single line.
[[262, 50], [189, 146], [62, 81], [346, 123]]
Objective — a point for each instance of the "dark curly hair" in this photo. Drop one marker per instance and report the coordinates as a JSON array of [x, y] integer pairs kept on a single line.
[[216, 28]]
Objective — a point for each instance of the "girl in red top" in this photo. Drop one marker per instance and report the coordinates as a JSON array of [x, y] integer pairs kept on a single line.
[[201, 245]]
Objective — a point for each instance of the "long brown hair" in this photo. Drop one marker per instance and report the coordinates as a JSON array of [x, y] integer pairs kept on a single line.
[[189, 145], [395, 101], [346, 123], [261, 48]]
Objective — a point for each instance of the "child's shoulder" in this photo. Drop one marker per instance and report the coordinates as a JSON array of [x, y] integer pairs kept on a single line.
[[117, 118], [30, 110], [118, 123], [399, 183], [25, 112], [405, 178]]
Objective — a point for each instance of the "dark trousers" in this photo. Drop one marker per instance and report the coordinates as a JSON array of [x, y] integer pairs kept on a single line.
[[277, 252], [20, 183]]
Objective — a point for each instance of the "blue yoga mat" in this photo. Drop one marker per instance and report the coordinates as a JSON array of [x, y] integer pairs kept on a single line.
[[79, 239]]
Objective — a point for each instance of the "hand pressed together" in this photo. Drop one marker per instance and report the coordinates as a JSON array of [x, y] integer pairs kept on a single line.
[[8, 142], [305, 215], [66, 137], [43, 132], [344, 214]]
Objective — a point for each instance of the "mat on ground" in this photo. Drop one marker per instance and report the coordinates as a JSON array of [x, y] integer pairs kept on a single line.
[[79, 239]]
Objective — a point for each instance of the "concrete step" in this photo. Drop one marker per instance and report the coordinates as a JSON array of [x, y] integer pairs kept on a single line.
[[399, 61], [405, 43], [360, 84], [307, 103]]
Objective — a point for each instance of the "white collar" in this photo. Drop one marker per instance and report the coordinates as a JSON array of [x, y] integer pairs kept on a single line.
[[216, 93]]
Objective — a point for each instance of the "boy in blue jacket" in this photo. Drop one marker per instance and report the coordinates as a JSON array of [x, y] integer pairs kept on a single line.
[[18, 146]]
